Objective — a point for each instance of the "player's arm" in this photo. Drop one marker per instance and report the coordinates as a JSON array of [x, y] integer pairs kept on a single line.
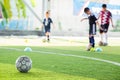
[[112, 22], [41, 27], [99, 16], [43, 24], [99, 25], [83, 19], [52, 23], [97, 22]]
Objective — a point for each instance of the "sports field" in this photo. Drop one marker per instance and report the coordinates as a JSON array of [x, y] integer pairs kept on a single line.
[[61, 63]]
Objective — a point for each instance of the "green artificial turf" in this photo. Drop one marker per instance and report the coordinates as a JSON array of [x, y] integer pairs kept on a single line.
[[48, 66]]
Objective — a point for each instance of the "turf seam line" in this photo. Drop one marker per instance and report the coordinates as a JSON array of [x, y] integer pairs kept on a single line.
[[70, 55]]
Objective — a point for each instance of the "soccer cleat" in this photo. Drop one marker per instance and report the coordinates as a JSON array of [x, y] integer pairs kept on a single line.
[[92, 49], [48, 40], [89, 48], [105, 44], [100, 43]]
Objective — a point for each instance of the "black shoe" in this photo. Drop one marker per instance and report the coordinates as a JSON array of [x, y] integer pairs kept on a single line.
[[89, 48], [100, 43], [48, 40], [105, 44]]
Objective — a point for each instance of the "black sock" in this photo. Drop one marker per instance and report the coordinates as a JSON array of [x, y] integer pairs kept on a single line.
[[48, 37], [92, 41]]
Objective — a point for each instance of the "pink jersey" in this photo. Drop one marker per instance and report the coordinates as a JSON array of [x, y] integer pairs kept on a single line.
[[105, 17]]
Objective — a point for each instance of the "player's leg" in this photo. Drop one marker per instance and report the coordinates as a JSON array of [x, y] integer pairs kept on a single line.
[[101, 36], [47, 33], [91, 42], [48, 36], [105, 43], [105, 35], [92, 32], [101, 33], [89, 45]]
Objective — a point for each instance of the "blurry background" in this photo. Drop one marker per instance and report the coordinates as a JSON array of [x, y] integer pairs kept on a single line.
[[66, 14]]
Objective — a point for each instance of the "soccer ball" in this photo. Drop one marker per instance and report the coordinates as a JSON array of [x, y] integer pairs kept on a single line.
[[23, 64], [27, 49], [98, 50], [101, 43]]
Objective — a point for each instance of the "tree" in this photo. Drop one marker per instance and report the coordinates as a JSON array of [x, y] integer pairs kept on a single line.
[[21, 8]]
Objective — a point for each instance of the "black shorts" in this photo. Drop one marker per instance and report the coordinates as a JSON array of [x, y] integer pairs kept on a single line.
[[92, 29], [105, 28], [47, 30]]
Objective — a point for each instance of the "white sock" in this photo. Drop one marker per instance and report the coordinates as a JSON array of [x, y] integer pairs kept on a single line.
[[101, 35], [106, 38]]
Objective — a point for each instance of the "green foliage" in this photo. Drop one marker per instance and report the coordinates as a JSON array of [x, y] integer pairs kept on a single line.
[[21, 8], [7, 6], [33, 3], [4, 11]]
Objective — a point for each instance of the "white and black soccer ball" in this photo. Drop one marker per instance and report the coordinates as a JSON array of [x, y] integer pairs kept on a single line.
[[23, 64]]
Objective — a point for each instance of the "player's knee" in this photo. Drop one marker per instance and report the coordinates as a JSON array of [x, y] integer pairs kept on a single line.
[[91, 36], [47, 33]]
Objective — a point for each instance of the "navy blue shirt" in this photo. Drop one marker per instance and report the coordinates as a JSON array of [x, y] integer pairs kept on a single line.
[[92, 19], [47, 22]]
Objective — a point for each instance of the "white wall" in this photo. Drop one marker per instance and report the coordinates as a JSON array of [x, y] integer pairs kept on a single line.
[[62, 14], [62, 11]]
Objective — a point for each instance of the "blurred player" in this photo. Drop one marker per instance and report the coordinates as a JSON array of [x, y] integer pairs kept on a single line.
[[105, 17], [92, 27], [47, 25]]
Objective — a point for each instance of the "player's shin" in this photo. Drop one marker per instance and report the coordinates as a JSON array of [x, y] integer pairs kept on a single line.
[[101, 35], [105, 39], [48, 37], [93, 41]]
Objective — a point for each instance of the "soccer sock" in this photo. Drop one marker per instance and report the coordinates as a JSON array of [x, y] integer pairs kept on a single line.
[[92, 41], [48, 37], [101, 37], [105, 38]]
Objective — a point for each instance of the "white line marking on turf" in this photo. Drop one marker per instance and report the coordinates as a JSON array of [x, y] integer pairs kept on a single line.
[[70, 55]]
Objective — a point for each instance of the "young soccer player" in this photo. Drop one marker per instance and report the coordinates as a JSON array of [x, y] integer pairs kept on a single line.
[[92, 27], [105, 16], [47, 25]]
